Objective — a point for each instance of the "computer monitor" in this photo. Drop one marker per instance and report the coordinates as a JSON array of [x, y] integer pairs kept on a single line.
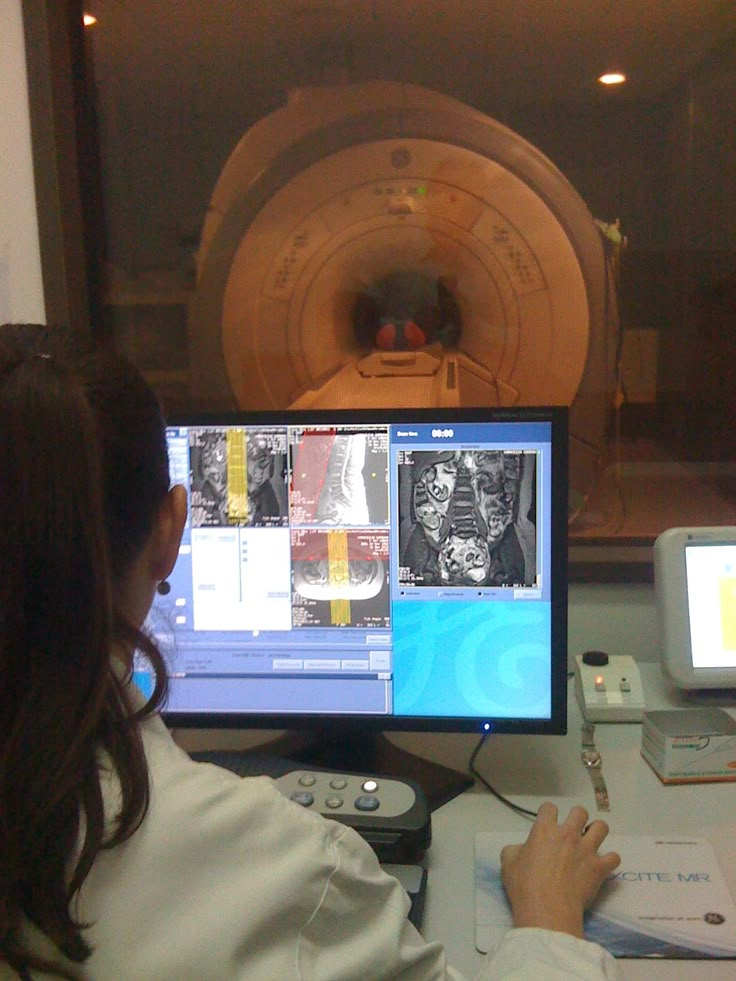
[[695, 588], [353, 572]]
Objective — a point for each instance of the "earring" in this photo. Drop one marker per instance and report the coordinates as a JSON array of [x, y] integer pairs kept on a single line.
[[163, 588]]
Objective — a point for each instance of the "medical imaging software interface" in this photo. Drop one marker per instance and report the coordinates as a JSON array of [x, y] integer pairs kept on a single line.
[[383, 569]]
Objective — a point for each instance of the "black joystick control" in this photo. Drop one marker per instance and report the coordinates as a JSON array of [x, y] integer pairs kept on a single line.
[[595, 659]]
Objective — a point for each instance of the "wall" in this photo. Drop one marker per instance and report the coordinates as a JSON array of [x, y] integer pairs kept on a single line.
[[620, 619], [21, 286]]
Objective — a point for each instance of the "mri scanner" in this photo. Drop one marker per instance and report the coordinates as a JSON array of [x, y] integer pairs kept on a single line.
[[360, 207]]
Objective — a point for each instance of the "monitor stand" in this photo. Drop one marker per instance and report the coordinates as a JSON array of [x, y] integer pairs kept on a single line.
[[371, 752]]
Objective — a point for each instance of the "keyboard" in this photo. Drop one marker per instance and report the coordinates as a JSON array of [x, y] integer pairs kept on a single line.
[[246, 762], [414, 880]]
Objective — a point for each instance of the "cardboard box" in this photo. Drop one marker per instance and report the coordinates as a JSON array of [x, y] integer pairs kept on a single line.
[[690, 745]]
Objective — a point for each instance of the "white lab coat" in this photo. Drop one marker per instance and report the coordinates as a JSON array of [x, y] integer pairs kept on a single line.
[[226, 879]]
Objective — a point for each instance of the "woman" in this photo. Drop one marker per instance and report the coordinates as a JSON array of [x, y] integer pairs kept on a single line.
[[120, 857]]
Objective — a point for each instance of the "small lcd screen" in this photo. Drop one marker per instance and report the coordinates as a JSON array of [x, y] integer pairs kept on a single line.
[[397, 568], [711, 600]]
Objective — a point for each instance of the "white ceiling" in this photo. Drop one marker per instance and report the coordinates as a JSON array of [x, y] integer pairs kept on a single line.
[[505, 52]]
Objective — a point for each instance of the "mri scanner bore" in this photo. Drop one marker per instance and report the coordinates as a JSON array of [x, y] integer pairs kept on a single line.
[[381, 244]]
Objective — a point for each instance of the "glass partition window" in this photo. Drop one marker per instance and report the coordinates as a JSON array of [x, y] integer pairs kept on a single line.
[[370, 203]]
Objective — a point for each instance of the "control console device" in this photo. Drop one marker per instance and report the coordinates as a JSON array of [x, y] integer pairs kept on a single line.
[[608, 687], [392, 815]]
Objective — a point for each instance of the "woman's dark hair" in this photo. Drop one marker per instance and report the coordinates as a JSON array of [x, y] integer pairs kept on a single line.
[[83, 473]]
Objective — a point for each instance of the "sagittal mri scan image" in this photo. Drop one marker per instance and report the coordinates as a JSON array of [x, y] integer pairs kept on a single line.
[[467, 518], [339, 478]]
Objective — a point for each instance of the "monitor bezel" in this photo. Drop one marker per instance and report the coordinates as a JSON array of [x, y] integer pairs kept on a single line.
[[556, 724]]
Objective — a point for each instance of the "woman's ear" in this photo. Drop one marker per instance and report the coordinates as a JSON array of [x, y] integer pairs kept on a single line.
[[171, 520]]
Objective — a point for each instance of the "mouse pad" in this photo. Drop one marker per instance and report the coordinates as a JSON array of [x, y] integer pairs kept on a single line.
[[668, 898]]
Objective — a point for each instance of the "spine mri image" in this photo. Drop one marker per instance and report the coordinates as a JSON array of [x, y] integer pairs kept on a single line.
[[339, 535], [238, 478]]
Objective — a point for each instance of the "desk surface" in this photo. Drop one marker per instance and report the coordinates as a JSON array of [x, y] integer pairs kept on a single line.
[[531, 769]]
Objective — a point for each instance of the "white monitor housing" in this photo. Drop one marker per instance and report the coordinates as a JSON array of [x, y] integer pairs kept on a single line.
[[695, 582]]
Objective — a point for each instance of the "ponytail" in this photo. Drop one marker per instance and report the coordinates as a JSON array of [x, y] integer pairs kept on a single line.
[[60, 701]]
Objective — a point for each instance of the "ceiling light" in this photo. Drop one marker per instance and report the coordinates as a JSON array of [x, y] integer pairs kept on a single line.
[[612, 78], [89, 20]]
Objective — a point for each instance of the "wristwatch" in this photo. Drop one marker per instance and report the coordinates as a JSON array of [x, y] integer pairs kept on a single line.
[[593, 763]]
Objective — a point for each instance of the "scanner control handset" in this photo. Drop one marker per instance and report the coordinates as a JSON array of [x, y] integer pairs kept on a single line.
[[392, 815]]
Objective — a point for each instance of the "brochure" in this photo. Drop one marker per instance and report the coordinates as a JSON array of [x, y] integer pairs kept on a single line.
[[668, 898]]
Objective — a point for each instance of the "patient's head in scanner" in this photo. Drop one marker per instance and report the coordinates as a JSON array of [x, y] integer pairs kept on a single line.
[[407, 309]]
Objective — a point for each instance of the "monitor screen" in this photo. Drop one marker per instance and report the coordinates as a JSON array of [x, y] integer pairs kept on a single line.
[[391, 570], [711, 602]]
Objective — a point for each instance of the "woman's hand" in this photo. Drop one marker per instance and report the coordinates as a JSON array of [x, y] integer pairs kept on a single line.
[[556, 874]]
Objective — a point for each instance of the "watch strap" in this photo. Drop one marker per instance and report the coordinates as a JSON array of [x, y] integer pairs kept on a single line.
[[593, 763]]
